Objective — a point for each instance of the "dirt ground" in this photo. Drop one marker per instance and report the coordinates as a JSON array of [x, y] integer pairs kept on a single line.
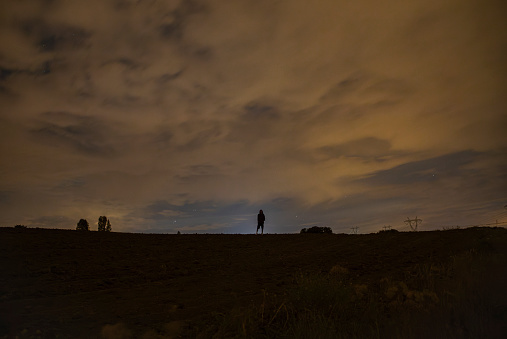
[[71, 284]]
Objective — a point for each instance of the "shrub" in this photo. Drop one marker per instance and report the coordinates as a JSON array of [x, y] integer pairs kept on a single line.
[[317, 229], [388, 231], [82, 225]]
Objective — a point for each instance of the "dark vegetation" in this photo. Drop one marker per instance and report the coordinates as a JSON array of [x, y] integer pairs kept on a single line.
[[317, 229], [83, 225], [388, 231], [104, 225], [440, 284]]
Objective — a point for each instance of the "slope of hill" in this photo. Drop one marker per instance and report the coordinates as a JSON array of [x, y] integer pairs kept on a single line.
[[63, 283]]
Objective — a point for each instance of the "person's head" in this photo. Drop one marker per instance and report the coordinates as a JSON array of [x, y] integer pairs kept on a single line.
[[260, 212]]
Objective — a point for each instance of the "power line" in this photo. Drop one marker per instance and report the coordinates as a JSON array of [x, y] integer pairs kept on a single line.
[[476, 225], [490, 224], [497, 216]]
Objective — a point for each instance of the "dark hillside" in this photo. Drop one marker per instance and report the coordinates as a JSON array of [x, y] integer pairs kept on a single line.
[[63, 283]]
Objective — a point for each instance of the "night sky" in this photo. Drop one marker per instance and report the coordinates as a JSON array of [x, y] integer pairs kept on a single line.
[[191, 116]]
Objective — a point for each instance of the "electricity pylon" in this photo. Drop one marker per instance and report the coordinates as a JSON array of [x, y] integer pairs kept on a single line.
[[413, 223]]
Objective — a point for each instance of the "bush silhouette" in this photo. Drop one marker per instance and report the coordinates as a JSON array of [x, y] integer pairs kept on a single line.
[[388, 231], [82, 225], [317, 229]]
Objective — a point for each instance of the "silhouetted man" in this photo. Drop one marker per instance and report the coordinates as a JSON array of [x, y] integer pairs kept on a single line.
[[260, 222]]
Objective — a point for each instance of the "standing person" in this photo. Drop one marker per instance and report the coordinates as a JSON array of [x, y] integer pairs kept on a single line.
[[260, 222]]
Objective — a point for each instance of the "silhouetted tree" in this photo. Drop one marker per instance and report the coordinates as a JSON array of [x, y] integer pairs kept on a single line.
[[102, 223], [82, 225], [316, 229], [108, 226]]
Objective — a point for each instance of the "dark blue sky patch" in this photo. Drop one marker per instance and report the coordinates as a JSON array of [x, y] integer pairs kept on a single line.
[[367, 148], [80, 133], [346, 86], [52, 37], [229, 217], [424, 170], [175, 29], [201, 138], [77, 138], [169, 76]]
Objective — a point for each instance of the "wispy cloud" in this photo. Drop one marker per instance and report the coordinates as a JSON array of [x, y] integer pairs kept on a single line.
[[356, 112]]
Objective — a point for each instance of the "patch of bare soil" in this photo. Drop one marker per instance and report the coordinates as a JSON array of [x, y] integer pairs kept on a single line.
[[72, 284]]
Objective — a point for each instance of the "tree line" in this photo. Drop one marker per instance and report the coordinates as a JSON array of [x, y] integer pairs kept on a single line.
[[104, 225]]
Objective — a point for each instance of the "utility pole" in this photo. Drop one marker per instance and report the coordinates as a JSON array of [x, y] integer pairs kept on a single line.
[[413, 223], [354, 230]]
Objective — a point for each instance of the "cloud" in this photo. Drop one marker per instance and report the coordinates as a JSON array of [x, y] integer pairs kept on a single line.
[[113, 106]]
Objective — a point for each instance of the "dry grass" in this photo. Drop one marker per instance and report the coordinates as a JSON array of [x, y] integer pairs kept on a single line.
[[454, 299], [68, 284]]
